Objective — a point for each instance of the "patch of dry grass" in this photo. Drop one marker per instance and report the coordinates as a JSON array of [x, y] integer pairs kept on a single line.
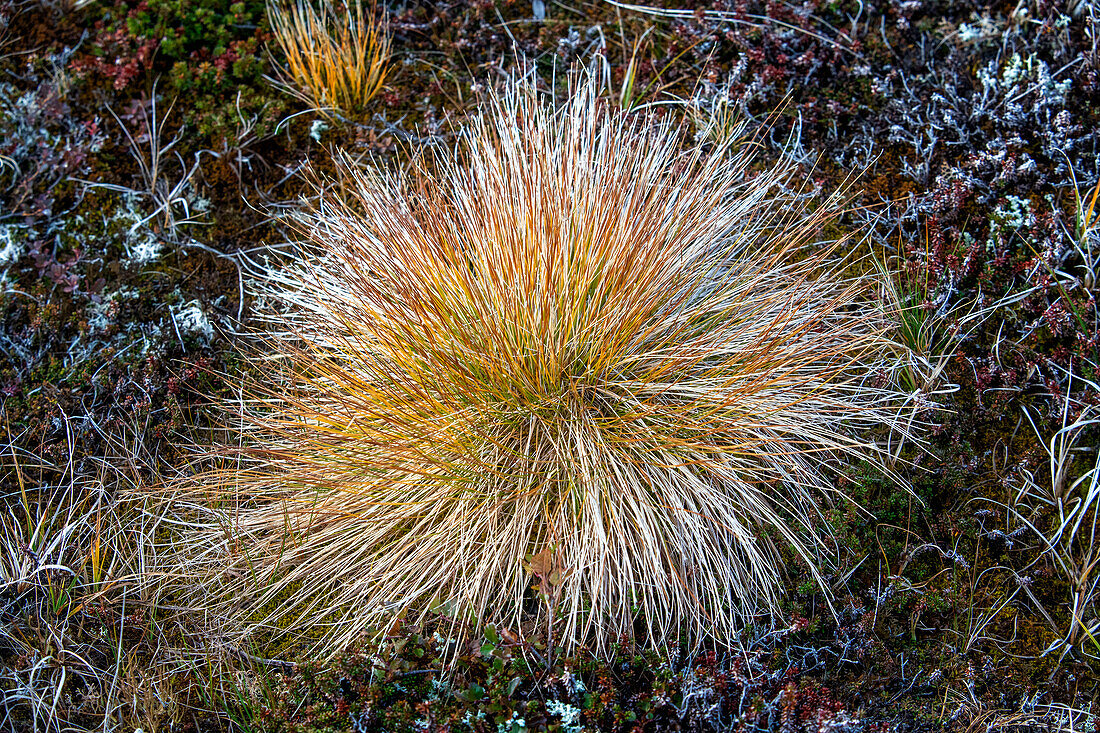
[[1062, 509], [77, 637], [574, 372]]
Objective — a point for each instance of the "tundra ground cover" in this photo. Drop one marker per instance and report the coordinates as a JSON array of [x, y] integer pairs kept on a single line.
[[973, 128]]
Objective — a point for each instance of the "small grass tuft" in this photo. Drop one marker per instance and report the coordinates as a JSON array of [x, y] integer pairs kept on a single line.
[[336, 58]]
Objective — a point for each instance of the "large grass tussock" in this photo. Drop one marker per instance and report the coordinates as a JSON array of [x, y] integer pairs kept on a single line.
[[577, 370]]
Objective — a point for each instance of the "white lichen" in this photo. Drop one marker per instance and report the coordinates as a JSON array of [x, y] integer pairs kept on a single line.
[[192, 321], [515, 725], [11, 244], [570, 716], [1013, 213]]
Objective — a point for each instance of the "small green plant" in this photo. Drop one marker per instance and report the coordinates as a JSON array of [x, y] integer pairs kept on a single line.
[[186, 26], [923, 331], [570, 374]]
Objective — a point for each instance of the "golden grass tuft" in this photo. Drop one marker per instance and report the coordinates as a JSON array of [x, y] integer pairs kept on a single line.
[[336, 59], [574, 373]]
